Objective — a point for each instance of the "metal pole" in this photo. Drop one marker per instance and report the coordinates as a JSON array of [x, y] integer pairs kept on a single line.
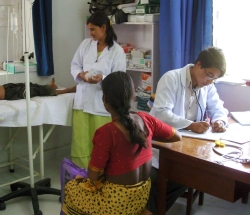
[[29, 132]]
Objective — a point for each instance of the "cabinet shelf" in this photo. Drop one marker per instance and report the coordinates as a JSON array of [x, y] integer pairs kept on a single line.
[[137, 23], [139, 70], [143, 35]]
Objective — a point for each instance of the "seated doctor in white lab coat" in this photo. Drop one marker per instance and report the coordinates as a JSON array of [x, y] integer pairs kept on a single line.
[[186, 98], [95, 58]]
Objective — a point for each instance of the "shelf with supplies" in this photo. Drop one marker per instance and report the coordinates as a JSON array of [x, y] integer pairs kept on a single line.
[[144, 35]]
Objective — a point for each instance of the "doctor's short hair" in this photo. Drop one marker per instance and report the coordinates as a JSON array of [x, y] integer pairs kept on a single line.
[[99, 18], [212, 57]]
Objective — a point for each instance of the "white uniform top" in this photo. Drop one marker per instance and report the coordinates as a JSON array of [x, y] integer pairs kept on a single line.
[[169, 103], [88, 97], [170, 107]]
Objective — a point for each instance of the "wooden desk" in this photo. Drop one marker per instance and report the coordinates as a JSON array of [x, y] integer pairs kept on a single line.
[[191, 162]]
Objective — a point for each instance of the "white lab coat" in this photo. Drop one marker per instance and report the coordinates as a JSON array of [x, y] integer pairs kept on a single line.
[[88, 97], [170, 99]]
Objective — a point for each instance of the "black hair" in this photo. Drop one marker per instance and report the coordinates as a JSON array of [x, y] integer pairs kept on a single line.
[[99, 18], [212, 57], [118, 91]]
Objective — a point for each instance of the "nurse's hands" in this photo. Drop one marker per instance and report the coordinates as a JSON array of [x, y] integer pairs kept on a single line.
[[89, 77], [218, 126], [198, 127], [82, 76], [95, 79]]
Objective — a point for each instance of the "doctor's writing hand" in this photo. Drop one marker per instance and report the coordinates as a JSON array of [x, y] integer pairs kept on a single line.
[[218, 126], [198, 127]]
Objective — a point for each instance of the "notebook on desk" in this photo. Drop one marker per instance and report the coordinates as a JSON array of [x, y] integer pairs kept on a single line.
[[208, 135], [242, 117], [235, 133]]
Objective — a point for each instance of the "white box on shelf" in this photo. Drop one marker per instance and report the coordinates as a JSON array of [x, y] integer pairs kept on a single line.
[[19, 67], [152, 17], [132, 18], [140, 18], [138, 61]]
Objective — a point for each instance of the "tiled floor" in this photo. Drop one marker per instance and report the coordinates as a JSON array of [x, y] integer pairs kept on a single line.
[[49, 204]]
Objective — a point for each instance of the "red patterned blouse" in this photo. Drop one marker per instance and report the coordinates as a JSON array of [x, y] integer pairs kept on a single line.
[[114, 154]]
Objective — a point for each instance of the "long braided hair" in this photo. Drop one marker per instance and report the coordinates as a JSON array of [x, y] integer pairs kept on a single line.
[[118, 90], [99, 18]]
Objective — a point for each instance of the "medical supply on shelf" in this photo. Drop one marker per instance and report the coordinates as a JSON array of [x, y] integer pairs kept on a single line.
[[152, 17], [139, 52], [142, 100], [150, 2], [5, 64], [19, 67], [147, 9], [146, 80], [13, 22]]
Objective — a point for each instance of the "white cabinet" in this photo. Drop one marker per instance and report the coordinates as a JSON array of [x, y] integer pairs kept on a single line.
[[140, 35], [143, 35]]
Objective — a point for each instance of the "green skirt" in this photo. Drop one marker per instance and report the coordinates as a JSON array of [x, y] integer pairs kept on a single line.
[[84, 127]]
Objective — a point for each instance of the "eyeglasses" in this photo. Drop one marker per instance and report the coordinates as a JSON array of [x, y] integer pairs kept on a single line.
[[209, 77]]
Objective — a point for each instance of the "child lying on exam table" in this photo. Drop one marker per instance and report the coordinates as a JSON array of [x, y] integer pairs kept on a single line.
[[12, 91]]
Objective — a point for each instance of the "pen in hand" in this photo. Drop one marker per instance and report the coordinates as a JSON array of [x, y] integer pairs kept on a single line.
[[206, 118]]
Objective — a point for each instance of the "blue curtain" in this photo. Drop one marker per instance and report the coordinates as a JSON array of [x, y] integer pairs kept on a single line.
[[42, 29], [185, 30]]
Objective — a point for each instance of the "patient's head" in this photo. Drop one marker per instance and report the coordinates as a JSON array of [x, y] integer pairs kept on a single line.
[[118, 91]]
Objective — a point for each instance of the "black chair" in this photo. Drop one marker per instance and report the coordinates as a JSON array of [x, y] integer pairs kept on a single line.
[[191, 195], [24, 189]]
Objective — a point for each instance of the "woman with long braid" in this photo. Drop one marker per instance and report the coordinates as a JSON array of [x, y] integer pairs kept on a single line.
[[118, 173]]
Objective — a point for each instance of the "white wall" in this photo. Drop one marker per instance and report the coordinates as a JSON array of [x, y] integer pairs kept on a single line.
[[235, 97], [69, 18]]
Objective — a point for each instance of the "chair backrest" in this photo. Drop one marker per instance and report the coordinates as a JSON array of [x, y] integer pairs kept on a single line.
[[69, 171]]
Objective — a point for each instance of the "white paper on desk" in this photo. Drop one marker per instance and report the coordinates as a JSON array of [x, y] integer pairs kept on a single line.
[[208, 135], [242, 117], [237, 133]]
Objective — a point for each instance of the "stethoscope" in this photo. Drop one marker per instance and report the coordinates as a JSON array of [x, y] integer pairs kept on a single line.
[[233, 155], [196, 97]]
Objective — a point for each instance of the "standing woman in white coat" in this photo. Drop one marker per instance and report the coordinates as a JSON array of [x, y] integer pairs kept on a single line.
[[94, 59]]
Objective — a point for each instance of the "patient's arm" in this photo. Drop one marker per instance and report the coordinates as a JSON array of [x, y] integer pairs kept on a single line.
[[66, 90], [61, 91]]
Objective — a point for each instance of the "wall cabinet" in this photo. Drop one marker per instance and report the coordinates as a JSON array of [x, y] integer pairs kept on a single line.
[[143, 35]]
